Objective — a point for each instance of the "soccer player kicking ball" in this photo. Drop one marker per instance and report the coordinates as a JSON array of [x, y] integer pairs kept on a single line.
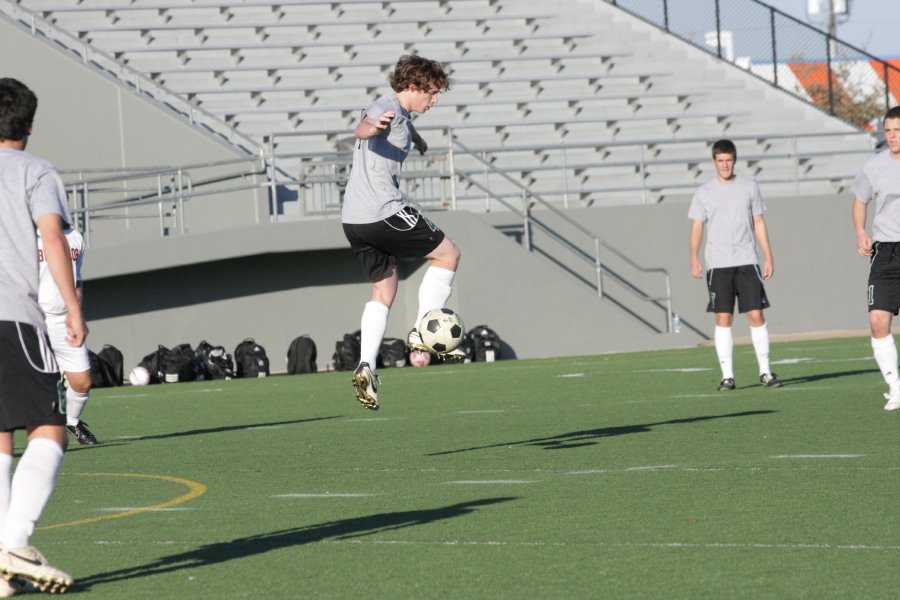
[[733, 209], [879, 180], [32, 196], [379, 224], [73, 362]]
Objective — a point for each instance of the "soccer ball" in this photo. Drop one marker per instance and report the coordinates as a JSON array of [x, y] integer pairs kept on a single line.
[[139, 376], [442, 330], [419, 358]]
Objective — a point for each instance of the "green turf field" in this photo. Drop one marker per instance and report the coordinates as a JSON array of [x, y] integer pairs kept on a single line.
[[613, 476]]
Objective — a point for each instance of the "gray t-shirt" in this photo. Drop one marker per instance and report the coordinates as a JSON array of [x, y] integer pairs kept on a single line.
[[373, 191], [29, 188], [880, 180], [728, 210]]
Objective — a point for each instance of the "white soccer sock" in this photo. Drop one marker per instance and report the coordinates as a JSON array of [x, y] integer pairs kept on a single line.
[[760, 337], [75, 402], [725, 350], [6, 461], [434, 291], [32, 485], [372, 328], [885, 352]]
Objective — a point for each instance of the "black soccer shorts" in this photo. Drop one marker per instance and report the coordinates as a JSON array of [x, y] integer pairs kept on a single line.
[[406, 235], [884, 277], [744, 283], [28, 378]]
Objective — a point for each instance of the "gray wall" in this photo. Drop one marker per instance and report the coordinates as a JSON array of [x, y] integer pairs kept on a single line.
[[274, 282]]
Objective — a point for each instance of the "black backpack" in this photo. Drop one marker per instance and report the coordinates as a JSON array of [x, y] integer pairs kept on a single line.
[[213, 362], [250, 359], [301, 356], [155, 364], [113, 363], [347, 352], [393, 353], [179, 364], [485, 344]]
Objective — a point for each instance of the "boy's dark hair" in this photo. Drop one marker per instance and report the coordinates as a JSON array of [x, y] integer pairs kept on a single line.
[[893, 113], [724, 147], [423, 73], [18, 104]]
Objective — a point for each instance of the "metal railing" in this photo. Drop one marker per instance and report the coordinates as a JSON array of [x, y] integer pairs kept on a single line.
[[789, 54]]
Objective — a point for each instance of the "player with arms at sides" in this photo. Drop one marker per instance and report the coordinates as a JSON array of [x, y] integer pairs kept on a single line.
[[732, 208], [879, 180], [73, 362], [379, 224], [32, 197]]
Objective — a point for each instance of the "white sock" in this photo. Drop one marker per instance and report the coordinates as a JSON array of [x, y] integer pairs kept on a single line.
[[32, 485], [372, 328], [75, 402], [760, 337], [725, 351], [434, 291], [6, 461], [885, 352]]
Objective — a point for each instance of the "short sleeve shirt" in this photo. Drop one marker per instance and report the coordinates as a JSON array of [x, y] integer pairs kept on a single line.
[[728, 209], [879, 180], [373, 190], [29, 189], [49, 298]]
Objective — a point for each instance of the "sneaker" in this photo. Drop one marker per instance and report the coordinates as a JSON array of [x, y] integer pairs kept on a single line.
[[28, 565], [414, 341], [893, 399], [770, 380], [453, 356], [366, 383], [726, 385], [82, 434]]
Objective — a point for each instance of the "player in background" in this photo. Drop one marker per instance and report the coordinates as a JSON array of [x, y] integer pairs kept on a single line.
[[32, 197], [74, 363], [879, 180], [379, 224], [732, 208]]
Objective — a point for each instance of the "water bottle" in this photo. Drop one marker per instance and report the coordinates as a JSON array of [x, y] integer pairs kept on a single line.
[[676, 323]]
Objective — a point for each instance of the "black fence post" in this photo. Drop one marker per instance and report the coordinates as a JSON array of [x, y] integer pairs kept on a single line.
[[887, 87], [718, 31], [774, 46], [830, 82], [666, 14]]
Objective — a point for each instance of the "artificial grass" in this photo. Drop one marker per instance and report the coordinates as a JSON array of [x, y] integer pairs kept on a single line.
[[617, 475]]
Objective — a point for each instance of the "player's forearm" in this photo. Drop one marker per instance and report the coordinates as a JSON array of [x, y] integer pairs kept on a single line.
[[696, 238], [762, 238], [859, 211], [56, 253]]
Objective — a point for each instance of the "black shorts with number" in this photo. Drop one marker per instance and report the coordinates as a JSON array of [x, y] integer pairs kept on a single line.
[[884, 277], [744, 283], [28, 378], [406, 235]]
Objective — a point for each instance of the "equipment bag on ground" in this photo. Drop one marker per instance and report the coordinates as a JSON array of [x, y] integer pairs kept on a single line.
[[346, 352], [393, 353], [301, 356], [250, 359], [213, 362], [485, 344]]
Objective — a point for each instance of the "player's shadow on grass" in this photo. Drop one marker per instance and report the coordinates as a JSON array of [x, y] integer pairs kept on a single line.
[[589, 437], [345, 529], [821, 376]]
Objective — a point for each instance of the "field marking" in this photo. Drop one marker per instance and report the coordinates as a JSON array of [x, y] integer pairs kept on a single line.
[[479, 412], [663, 545], [324, 495], [792, 361], [127, 396], [205, 390], [127, 508], [625, 470], [489, 482], [195, 490], [719, 395], [818, 456], [679, 370], [367, 419], [570, 375]]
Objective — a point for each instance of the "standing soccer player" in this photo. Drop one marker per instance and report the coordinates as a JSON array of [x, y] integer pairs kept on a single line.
[[733, 209], [379, 224], [32, 197], [73, 362], [879, 180]]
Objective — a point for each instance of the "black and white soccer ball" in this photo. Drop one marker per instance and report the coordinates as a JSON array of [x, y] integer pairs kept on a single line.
[[442, 330]]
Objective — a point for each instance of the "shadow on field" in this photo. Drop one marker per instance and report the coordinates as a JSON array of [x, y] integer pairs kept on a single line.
[[345, 529], [821, 376], [589, 437]]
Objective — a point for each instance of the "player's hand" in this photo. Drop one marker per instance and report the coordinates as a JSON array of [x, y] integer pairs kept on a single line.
[[696, 268], [864, 244], [383, 122], [76, 329], [768, 269], [420, 144]]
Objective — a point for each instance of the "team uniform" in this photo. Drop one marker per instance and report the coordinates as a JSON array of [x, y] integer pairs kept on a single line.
[[729, 210], [70, 359], [28, 369]]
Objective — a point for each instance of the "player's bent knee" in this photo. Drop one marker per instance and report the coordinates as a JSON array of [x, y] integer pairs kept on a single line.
[[79, 382]]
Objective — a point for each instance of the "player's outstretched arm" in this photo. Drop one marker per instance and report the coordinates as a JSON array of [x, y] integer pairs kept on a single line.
[[863, 241], [762, 238], [417, 140], [696, 239], [369, 127], [56, 253]]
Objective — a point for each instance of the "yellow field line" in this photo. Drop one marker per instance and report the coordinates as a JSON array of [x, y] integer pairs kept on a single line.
[[196, 490]]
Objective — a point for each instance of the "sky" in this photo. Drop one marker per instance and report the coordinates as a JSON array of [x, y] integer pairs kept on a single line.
[[872, 24]]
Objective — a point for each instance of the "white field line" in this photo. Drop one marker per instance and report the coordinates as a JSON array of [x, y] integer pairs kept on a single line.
[[818, 456], [118, 509], [489, 482], [570, 375], [662, 545], [479, 412], [369, 419], [323, 495]]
